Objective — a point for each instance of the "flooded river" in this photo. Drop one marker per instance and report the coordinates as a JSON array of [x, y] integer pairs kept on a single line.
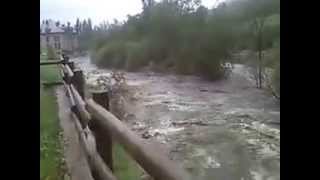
[[226, 130]]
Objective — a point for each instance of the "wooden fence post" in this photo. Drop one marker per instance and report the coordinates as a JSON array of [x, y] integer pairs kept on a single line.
[[67, 74], [65, 59], [71, 65], [103, 138], [79, 82]]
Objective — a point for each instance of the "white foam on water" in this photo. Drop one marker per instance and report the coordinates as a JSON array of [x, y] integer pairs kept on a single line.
[[170, 130], [212, 162]]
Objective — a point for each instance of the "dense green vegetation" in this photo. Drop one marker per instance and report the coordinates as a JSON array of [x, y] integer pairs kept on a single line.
[[185, 37]]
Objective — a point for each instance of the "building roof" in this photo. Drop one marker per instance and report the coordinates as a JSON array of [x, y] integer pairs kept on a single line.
[[50, 26]]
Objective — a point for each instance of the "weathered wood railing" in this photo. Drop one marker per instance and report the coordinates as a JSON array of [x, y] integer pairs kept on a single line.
[[98, 128]]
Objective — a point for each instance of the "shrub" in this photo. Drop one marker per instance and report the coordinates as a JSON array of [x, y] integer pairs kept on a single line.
[[185, 61], [136, 56], [110, 55]]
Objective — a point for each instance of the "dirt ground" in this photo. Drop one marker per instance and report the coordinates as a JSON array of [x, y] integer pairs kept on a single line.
[[74, 156]]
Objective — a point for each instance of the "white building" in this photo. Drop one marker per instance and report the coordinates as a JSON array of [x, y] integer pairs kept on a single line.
[[59, 37]]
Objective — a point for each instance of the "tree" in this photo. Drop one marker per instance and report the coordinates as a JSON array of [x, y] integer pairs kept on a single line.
[[89, 25], [68, 29], [260, 10], [57, 23], [147, 4], [187, 6], [258, 27], [86, 34], [80, 28], [77, 26], [84, 26], [183, 35]]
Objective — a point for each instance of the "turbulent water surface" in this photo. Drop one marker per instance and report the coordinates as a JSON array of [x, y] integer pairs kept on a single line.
[[226, 129]]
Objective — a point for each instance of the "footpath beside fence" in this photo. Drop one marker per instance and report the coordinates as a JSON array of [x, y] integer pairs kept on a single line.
[[98, 128]]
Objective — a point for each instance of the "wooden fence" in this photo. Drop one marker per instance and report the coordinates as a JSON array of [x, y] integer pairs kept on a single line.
[[98, 128]]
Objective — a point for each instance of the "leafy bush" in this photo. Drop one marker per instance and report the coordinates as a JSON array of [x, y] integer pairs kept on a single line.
[[110, 55], [184, 63], [136, 56]]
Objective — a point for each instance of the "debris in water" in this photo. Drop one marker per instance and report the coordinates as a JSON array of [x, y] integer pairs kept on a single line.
[[198, 122], [158, 132], [203, 90], [138, 126], [166, 102], [98, 82], [212, 163], [219, 122], [244, 116], [219, 91], [146, 135], [151, 133]]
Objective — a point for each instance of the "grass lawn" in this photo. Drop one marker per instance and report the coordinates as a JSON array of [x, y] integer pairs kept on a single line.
[[50, 73], [51, 154], [43, 57]]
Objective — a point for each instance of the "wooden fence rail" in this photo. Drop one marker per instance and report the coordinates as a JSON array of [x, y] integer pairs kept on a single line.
[[154, 162], [98, 167], [95, 123], [51, 62]]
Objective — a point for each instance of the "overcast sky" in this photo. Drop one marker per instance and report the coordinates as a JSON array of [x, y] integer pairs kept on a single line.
[[97, 10]]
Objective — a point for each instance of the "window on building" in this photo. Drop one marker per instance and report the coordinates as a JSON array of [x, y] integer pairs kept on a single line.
[[56, 38], [57, 44], [48, 39]]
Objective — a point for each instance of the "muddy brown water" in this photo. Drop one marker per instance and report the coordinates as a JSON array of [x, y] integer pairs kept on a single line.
[[239, 134]]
